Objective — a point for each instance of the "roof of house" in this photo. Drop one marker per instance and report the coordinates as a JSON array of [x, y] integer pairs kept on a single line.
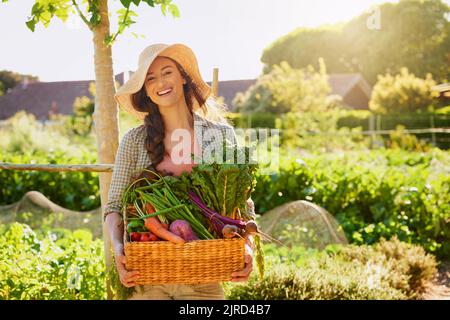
[[228, 89], [342, 83], [41, 97]]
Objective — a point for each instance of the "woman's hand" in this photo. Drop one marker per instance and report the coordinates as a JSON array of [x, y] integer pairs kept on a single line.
[[244, 274], [127, 278]]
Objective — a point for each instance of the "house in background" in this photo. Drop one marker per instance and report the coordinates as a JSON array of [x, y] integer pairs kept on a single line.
[[354, 90], [443, 90], [45, 98]]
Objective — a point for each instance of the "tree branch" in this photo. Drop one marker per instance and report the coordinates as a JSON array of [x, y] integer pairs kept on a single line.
[[81, 14], [119, 31]]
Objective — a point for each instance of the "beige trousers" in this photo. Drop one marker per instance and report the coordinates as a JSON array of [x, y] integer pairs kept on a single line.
[[207, 291]]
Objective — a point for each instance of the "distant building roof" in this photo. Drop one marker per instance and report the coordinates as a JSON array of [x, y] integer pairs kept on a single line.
[[41, 98], [228, 89], [352, 87]]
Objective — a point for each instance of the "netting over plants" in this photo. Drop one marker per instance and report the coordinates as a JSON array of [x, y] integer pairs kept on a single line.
[[36, 210], [302, 223]]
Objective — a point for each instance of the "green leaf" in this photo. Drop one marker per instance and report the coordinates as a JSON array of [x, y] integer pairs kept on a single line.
[[151, 3], [126, 3], [163, 9], [174, 10], [31, 25], [136, 2], [36, 9], [62, 13]]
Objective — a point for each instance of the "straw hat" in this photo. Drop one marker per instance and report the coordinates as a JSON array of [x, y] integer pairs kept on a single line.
[[178, 52]]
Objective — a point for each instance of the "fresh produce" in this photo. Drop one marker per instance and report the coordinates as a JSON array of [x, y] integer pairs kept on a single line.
[[135, 236], [183, 229], [155, 198], [148, 236], [210, 202], [230, 231], [226, 187], [154, 225]]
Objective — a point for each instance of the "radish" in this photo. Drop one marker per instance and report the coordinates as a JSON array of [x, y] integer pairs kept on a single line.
[[183, 229], [230, 231]]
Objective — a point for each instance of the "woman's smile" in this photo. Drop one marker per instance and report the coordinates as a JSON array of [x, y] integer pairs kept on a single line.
[[164, 92]]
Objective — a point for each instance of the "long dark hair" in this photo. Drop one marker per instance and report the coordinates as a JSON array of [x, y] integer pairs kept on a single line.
[[153, 121]]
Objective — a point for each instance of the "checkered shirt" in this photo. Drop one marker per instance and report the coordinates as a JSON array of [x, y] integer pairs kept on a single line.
[[132, 157]]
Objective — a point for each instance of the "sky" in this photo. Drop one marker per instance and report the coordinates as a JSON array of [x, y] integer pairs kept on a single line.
[[226, 34]]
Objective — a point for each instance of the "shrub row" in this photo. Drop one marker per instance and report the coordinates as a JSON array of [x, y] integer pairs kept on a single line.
[[388, 270]]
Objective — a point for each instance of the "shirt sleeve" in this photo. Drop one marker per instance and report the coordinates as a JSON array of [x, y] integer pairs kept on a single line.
[[124, 165]]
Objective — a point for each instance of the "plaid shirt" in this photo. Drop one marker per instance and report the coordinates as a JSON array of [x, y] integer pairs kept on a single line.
[[132, 157]]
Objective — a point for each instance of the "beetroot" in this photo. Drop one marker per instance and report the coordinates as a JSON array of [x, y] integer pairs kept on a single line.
[[183, 229]]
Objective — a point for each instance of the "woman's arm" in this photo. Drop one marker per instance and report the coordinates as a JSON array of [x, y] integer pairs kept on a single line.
[[115, 226], [126, 158], [122, 176]]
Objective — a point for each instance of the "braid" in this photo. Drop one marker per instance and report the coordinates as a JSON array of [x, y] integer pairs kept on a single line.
[[154, 142], [154, 126]]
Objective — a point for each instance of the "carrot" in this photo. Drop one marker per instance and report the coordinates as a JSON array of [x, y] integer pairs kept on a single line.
[[154, 225]]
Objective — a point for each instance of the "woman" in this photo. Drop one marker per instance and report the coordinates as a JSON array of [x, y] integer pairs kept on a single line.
[[167, 92]]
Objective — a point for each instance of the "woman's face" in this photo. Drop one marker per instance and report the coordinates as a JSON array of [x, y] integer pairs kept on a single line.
[[164, 83]]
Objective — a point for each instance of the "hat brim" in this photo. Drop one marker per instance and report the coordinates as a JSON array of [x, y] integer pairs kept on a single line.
[[178, 52]]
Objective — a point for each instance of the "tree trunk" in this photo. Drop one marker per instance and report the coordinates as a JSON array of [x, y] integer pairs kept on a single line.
[[105, 114]]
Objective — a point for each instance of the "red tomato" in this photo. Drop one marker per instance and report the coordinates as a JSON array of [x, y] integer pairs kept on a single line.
[[148, 236], [135, 236]]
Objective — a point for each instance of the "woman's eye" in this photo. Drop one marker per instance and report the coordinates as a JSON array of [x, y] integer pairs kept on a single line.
[[167, 73]]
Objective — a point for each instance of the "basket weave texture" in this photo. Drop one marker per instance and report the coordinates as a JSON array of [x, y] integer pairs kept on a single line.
[[194, 262]]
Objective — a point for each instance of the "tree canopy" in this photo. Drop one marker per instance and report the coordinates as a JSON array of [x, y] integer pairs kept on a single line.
[[413, 34]]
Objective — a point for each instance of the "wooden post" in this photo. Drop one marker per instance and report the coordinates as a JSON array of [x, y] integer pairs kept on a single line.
[[215, 82], [433, 135], [372, 129]]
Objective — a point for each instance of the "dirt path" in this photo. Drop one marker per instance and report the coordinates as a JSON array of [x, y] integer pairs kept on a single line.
[[440, 288]]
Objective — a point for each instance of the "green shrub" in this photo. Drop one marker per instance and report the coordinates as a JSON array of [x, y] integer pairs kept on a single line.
[[389, 270], [375, 194], [52, 266], [253, 120], [286, 89], [403, 93], [72, 190], [407, 259]]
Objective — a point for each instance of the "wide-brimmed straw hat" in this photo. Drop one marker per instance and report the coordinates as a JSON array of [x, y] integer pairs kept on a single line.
[[178, 52]]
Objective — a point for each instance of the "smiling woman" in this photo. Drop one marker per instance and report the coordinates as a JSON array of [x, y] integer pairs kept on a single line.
[[168, 93]]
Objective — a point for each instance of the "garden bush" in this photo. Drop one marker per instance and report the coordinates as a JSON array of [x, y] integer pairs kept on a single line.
[[378, 194], [389, 270], [72, 190], [50, 265]]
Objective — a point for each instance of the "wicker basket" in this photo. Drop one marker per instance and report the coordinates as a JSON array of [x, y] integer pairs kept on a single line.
[[200, 261]]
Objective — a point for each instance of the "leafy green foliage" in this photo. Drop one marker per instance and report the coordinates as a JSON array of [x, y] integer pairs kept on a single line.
[[72, 190], [378, 194], [80, 122], [403, 92], [225, 187], [43, 11], [422, 47], [388, 270], [50, 266], [286, 89]]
